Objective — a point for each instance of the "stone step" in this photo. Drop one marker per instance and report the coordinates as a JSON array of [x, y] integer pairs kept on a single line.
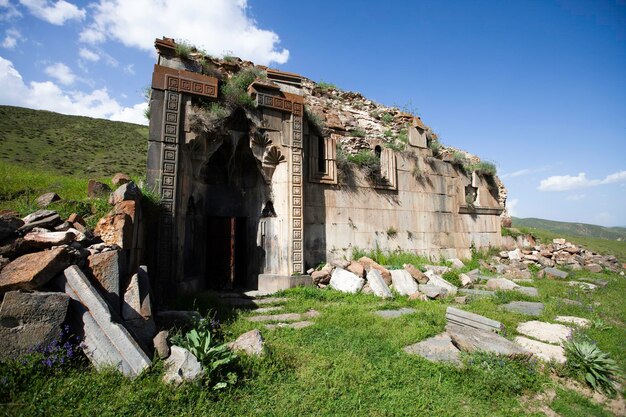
[[525, 307], [544, 351], [545, 332]]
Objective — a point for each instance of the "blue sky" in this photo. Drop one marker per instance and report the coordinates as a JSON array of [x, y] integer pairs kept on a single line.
[[538, 87]]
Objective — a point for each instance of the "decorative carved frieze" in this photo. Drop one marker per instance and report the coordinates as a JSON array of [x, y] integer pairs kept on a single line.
[[165, 78], [273, 156]]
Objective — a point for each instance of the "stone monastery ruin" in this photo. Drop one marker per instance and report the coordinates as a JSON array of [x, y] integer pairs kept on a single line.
[[264, 174]]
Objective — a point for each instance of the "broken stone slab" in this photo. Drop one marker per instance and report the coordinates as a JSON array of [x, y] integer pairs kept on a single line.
[[529, 291], [46, 199], [436, 349], [595, 281], [29, 272], [402, 281], [356, 268], [466, 280], [161, 346], [440, 282], [125, 192], [106, 343], [120, 178], [46, 240], [285, 317], [543, 351], [525, 307], [251, 343], [433, 291], [181, 366], [582, 285], [470, 340], [29, 321], [595, 268], [370, 263], [97, 189], [546, 332], [390, 314], [570, 302], [268, 309], [38, 215], [345, 281], [476, 321], [377, 284], [515, 255], [501, 284], [108, 268], [437, 269], [296, 325], [456, 263], [474, 293], [45, 222], [137, 308], [555, 273], [417, 275], [577, 321]]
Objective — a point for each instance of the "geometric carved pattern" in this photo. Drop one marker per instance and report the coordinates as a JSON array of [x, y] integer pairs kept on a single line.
[[273, 156], [170, 79], [279, 103], [297, 229]]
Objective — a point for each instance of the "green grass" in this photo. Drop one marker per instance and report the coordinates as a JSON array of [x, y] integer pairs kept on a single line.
[[573, 229], [77, 146]]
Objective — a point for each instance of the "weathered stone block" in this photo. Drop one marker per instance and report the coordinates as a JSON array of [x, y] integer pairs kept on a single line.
[[137, 308], [31, 271], [370, 263], [403, 282], [501, 284], [555, 273], [251, 343], [46, 199], [345, 281], [181, 366], [29, 321], [470, 340], [45, 240], [378, 285], [476, 321], [109, 269], [417, 275], [125, 192], [97, 189], [106, 343]]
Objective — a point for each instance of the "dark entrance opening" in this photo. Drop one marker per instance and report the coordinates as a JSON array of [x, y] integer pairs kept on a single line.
[[226, 256]]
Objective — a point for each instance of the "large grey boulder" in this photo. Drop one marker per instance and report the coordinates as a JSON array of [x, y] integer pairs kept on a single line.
[[378, 285], [29, 272], [106, 343], [251, 343], [345, 281], [29, 321], [471, 340], [181, 366], [403, 282]]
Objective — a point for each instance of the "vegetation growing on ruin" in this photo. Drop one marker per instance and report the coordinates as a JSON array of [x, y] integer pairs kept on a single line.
[[368, 162], [315, 119], [184, 49], [324, 86], [235, 90]]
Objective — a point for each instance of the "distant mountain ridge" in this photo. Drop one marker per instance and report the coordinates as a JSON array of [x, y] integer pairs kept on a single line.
[[573, 229]]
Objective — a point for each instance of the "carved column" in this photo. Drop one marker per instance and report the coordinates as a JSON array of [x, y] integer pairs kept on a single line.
[[297, 195]]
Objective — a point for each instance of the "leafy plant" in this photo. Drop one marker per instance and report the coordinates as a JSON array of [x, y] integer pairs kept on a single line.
[[324, 86], [392, 232], [483, 167], [386, 118], [184, 49], [368, 162], [586, 361], [435, 146], [235, 90], [358, 133], [315, 119], [216, 358]]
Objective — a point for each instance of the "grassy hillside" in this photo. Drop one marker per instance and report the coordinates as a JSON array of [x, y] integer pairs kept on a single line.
[[71, 145], [573, 229]]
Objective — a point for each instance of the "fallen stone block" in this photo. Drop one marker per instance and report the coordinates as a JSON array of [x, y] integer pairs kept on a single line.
[[137, 308], [436, 280], [29, 321], [125, 192], [436, 349], [501, 284], [97, 189], [466, 319], [525, 307], [403, 282], [181, 366], [117, 228], [108, 268], [251, 343], [29, 272], [345, 281], [555, 273], [437, 269], [456, 263], [417, 275], [529, 291], [466, 280], [41, 218], [470, 340], [515, 255], [391, 314], [106, 343], [593, 268], [542, 350], [370, 263], [46, 199], [320, 277], [46, 240], [356, 268], [378, 285], [433, 291], [546, 332], [161, 345]]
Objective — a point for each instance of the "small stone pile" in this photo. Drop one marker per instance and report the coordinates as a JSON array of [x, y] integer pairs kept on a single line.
[[524, 251], [367, 276], [55, 271]]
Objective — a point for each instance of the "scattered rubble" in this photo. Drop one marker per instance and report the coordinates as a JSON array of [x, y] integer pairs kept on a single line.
[[181, 366], [251, 343]]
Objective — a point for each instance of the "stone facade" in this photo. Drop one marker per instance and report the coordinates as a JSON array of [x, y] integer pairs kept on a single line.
[[254, 192]]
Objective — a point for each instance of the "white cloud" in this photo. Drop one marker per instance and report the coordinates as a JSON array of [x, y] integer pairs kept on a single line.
[[9, 11], [10, 40], [569, 182], [56, 13], [511, 206], [129, 69], [61, 72], [221, 26], [49, 96], [522, 172], [88, 55]]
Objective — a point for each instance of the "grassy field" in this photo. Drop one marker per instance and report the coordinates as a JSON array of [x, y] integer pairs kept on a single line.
[[349, 363], [573, 229]]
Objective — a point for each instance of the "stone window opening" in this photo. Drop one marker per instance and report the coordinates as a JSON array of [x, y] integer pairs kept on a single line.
[[378, 151], [321, 155], [471, 195], [321, 159]]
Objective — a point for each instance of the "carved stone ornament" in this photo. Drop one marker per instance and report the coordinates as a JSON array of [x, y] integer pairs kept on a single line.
[[261, 139], [273, 156]]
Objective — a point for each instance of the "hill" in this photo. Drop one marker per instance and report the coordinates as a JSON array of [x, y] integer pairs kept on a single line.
[[573, 229], [71, 145]]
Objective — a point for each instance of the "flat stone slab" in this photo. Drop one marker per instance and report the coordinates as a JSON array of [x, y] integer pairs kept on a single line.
[[285, 317], [297, 325], [106, 343], [268, 309], [546, 332], [476, 293], [525, 307], [501, 284], [436, 280], [390, 314], [577, 321], [582, 285], [555, 273], [436, 349], [432, 291], [464, 318], [403, 282], [596, 281], [253, 302], [529, 291], [542, 350], [470, 340], [570, 302]]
